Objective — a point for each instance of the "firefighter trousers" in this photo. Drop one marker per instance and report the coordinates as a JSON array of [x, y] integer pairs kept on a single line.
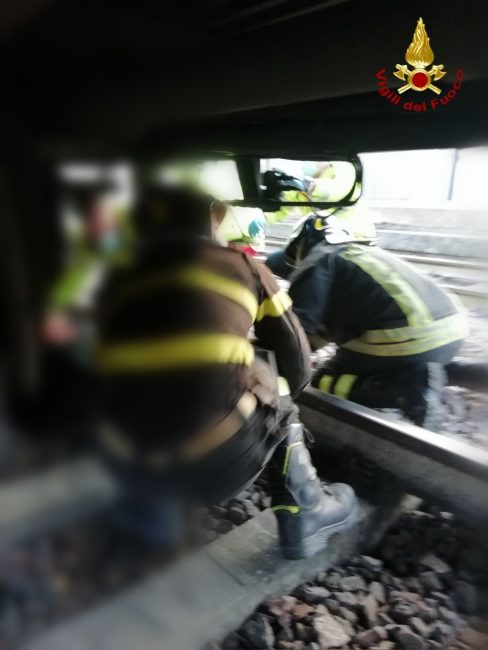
[[379, 382]]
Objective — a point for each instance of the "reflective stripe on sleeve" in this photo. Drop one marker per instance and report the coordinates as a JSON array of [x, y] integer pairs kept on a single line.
[[174, 352], [275, 306]]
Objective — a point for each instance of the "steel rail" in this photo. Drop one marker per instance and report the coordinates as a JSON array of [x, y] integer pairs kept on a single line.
[[429, 465]]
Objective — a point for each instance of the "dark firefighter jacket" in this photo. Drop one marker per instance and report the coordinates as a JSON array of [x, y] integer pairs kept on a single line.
[[369, 301], [173, 351]]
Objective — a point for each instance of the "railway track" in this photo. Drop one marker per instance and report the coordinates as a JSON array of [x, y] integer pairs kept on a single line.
[[432, 466], [232, 575]]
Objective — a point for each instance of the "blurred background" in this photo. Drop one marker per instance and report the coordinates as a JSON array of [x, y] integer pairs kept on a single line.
[[101, 99]]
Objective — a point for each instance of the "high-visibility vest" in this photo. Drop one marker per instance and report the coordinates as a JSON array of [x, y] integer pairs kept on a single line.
[[78, 281], [380, 305]]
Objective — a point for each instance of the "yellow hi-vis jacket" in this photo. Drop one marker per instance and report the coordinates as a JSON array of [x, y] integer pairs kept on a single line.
[[369, 301]]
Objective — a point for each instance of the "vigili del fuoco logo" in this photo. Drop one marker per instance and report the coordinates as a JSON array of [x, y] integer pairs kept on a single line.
[[419, 75]]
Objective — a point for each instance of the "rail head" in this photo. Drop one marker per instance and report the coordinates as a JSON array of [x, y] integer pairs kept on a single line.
[[448, 451]]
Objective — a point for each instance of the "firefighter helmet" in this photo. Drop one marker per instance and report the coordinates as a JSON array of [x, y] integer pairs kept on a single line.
[[338, 226]]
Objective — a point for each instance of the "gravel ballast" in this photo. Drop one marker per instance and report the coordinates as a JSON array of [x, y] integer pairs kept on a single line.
[[425, 588]]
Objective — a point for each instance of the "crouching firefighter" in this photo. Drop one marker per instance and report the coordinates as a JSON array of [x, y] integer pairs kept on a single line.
[[395, 328], [190, 410]]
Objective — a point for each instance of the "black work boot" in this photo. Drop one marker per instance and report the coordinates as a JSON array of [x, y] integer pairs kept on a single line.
[[416, 392], [308, 512]]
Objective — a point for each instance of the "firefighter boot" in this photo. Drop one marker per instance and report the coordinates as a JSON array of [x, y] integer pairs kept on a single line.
[[308, 512], [416, 392]]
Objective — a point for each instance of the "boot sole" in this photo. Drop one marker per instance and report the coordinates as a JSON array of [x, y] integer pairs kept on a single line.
[[319, 540]]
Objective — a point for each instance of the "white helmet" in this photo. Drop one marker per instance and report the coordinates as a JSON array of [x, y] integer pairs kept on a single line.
[[344, 225], [335, 226]]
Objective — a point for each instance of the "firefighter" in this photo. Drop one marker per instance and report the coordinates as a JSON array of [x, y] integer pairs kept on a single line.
[[66, 388], [96, 245], [190, 409], [394, 328]]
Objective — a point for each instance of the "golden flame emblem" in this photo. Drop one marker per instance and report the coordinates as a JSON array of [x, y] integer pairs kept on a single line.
[[419, 55]]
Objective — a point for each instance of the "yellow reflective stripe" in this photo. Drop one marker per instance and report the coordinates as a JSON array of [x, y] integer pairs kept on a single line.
[[294, 510], [231, 289], [283, 387], [194, 277], [406, 334], [455, 330], [159, 354], [343, 385], [274, 306], [325, 383], [288, 455], [415, 310]]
